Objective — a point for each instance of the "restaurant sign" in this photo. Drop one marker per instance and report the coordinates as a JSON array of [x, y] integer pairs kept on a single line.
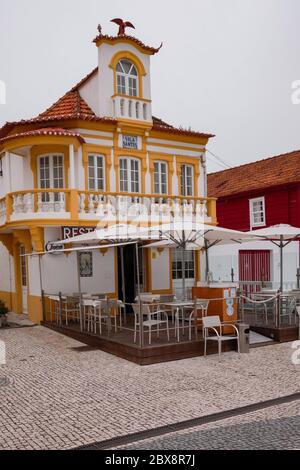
[[130, 142], [69, 232]]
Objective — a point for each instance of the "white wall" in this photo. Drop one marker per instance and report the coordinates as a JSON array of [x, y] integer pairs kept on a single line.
[[28, 180], [160, 270], [59, 271], [34, 287], [7, 277], [17, 172], [90, 93], [223, 258], [4, 180], [106, 75]]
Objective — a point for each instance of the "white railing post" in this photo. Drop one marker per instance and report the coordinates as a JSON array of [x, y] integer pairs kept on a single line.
[[91, 204], [62, 202], [81, 197], [40, 202], [51, 206]]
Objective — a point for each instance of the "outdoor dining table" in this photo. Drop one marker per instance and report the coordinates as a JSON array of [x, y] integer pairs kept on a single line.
[[148, 298], [178, 306]]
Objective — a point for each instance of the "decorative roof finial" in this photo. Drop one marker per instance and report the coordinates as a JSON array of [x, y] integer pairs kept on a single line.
[[100, 29], [122, 25]]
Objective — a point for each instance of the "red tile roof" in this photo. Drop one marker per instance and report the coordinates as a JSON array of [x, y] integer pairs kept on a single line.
[[273, 171], [163, 127], [49, 131], [116, 39], [72, 106]]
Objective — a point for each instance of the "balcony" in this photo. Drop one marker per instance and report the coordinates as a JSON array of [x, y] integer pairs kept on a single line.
[[35, 204], [95, 206], [130, 107]]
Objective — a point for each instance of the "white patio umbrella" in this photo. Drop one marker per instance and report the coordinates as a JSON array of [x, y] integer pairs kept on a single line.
[[280, 235], [126, 233], [190, 235], [111, 233], [119, 235]]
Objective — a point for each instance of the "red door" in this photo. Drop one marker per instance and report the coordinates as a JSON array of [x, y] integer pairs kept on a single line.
[[255, 265]]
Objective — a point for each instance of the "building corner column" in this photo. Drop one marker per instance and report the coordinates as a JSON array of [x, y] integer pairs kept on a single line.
[[74, 204]]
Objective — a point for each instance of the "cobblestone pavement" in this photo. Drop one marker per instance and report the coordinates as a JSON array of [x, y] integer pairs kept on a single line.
[[276, 428], [61, 395]]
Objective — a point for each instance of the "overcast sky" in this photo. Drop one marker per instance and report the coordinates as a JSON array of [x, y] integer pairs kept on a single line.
[[226, 66]]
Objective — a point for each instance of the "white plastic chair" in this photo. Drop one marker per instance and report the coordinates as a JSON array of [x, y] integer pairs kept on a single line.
[[214, 323], [288, 307], [153, 320], [54, 299], [192, 318], [202, 306]]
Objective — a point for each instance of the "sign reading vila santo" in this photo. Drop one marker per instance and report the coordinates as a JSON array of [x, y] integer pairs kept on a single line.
[[130, 142]]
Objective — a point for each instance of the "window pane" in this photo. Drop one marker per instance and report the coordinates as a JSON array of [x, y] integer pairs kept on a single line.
[[187, 180], [126, 66], [177, 268], [257, 212], [123, 175]]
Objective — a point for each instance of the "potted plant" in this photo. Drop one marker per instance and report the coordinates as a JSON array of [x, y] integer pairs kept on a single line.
[[3, 313]]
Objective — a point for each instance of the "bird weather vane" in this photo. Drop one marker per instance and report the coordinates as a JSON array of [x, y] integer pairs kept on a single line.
[[122, 25]]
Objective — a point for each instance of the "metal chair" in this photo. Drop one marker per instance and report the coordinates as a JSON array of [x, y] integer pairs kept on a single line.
[[154, 319], [202, 306], [95, 311], [193, 316], [288, 307], [114, 310], [71, 309], [167, 298], [54, 299], [214, 323]]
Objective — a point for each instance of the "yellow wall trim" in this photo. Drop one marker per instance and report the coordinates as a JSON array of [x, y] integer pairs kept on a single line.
[[37, 237], [7, 240], [9, 298], [136, 61], [19, 142], [39, 150], [100, 150]]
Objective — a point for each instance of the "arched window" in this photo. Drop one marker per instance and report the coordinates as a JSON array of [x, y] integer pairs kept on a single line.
[[127, 78]]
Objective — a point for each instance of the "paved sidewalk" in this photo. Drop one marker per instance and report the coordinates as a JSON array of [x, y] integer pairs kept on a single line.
[[276, 428], [62, 395]]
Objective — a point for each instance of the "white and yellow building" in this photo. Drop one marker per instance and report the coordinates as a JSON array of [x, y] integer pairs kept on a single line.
[[98, 144]]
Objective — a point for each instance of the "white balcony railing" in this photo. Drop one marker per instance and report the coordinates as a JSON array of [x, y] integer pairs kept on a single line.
[[131, 108], [86, 205], [143, 207], [24, 205], [40, 202], [2, 211]]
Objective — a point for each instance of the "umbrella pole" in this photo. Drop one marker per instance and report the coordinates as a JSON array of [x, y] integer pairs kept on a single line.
[[281, 264], [183, 265], [206, 260], [281, 280], [141, 328], [42, 290], [79, 291], [123, 282]]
